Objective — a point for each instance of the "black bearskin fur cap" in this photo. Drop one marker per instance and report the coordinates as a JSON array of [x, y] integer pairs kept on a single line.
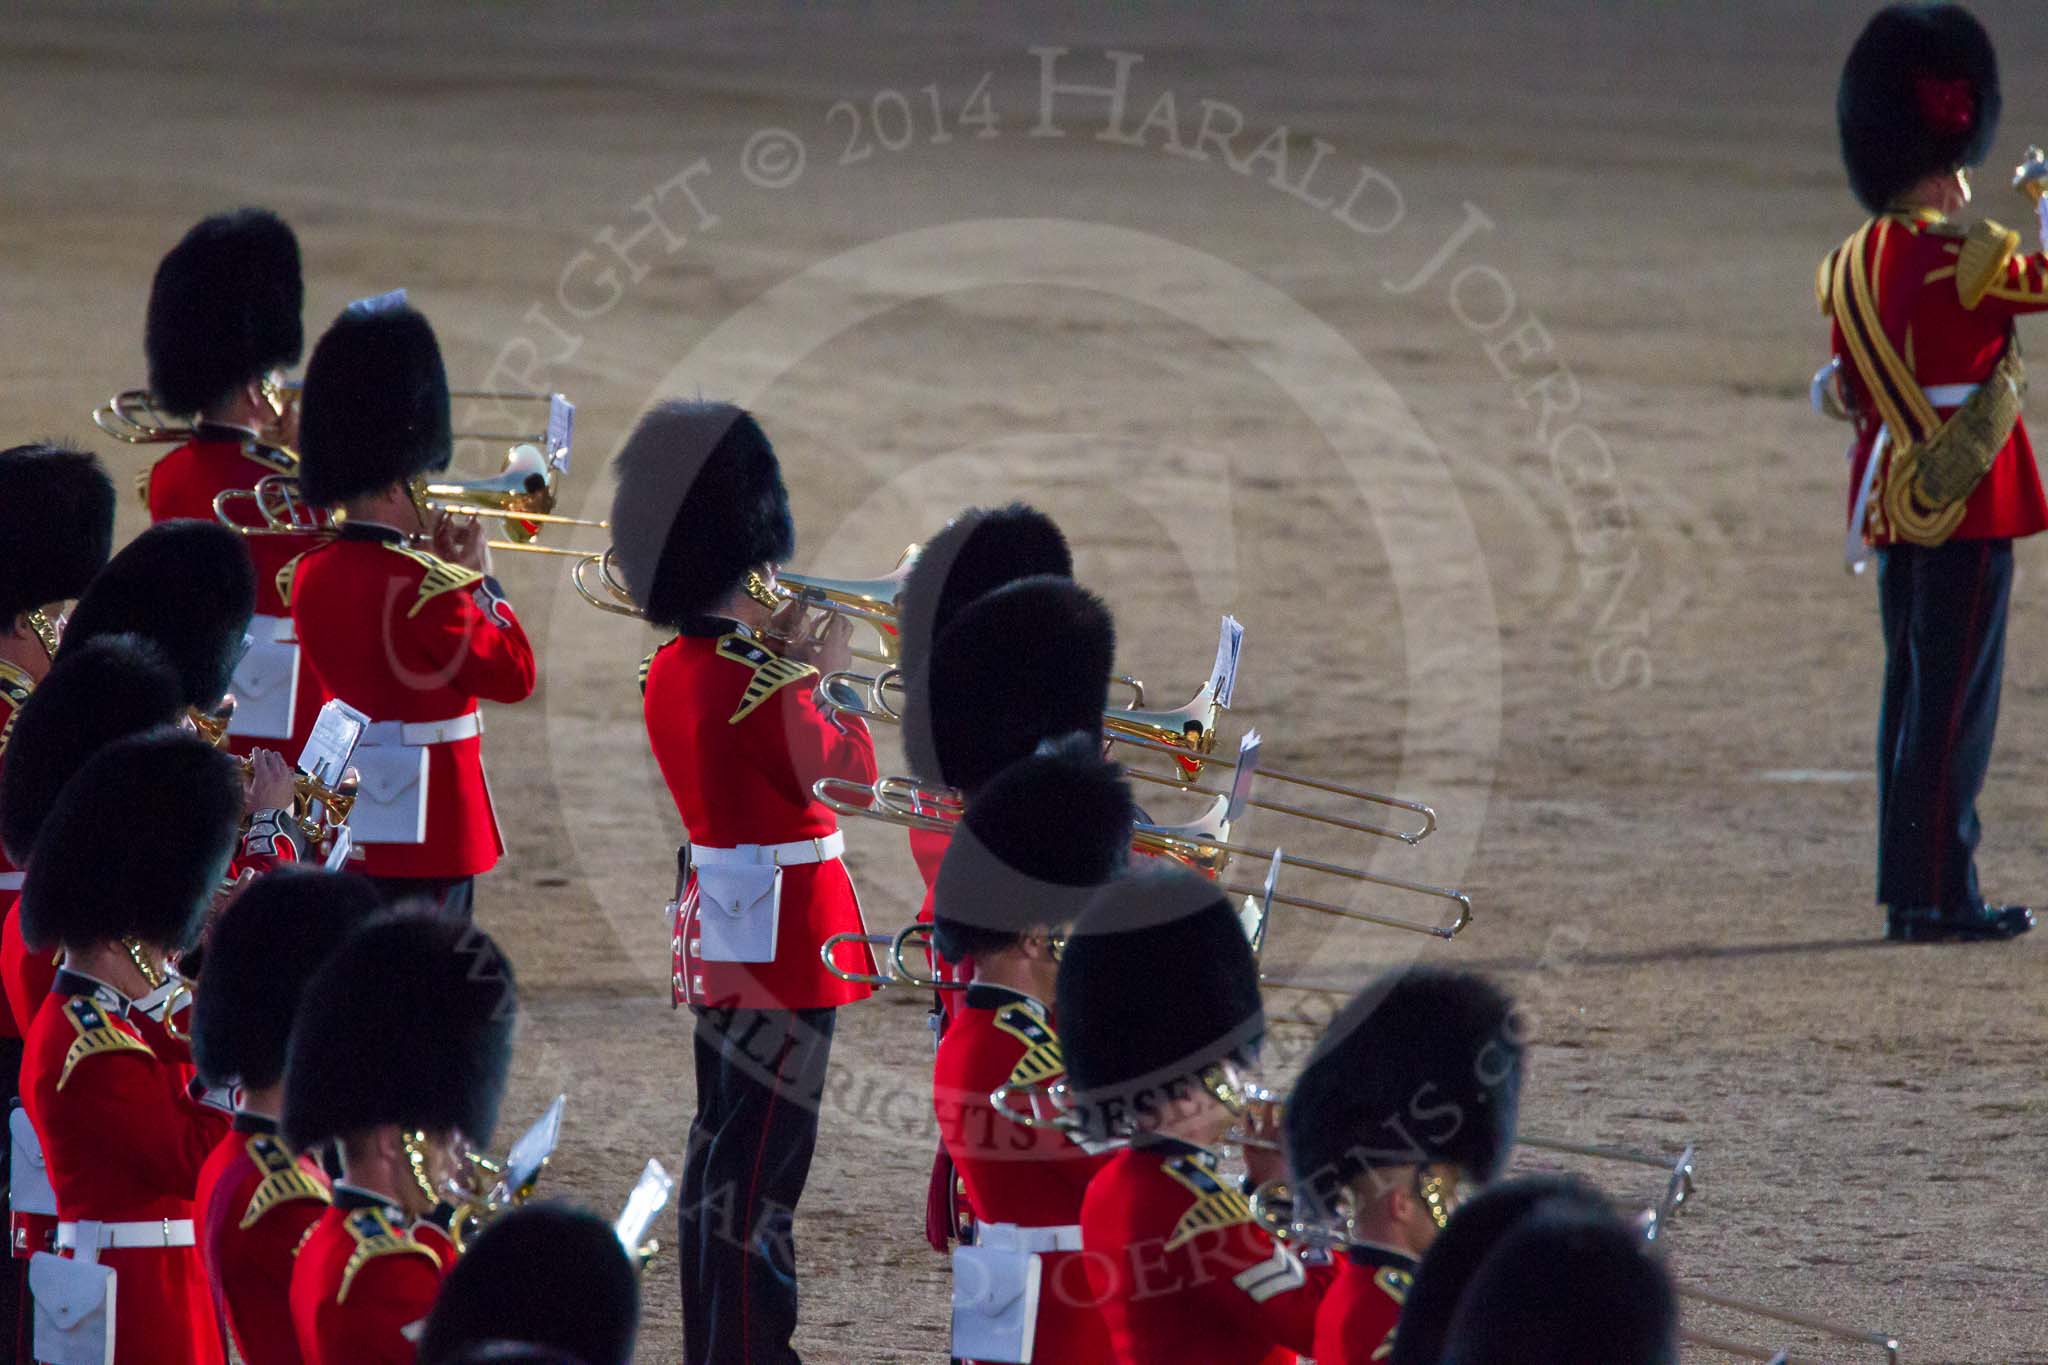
[[99, 691], [1034, 845], [1157, 984], [1016, 667], [544, 1276], [187, 587], [700, 502], [979, 551], [224, 310], [1423, 1066], [408, 1022], [56, 524], [136, 845], [1568, 1286], [259, 957], [374, 408], [1918, 96]]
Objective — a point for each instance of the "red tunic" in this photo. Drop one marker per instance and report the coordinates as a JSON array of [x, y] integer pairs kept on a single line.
[[1030, 1177], [1947, 305], [1181, 1270], [15, 686], [403, 636], [124, 1143], [255, 1203], [364, 1274], [184, 484], [1355, 1325], [740, 741]]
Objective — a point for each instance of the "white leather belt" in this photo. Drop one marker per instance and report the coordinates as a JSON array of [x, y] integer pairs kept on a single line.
[[792, 854], [11, 881], [418, 734], [1011, 1237], [276, 629], [158, 1233]]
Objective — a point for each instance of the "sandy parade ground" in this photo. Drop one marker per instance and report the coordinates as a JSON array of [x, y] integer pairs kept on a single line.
[[1460, 351]]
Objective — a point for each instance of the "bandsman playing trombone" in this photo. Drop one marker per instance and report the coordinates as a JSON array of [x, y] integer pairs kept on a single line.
[[397, 1060], [699, 523], [1407, 1107], [1034, 845], [223, 325], [398, 615], [1160, 1027]]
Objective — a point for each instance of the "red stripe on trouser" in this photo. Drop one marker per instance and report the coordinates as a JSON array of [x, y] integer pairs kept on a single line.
[[1955, 720]]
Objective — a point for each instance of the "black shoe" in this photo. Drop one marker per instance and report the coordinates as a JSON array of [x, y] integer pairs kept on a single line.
[[1925, 924]]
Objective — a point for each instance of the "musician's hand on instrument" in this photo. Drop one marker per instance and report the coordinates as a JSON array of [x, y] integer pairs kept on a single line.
[[271, 784], [786, 626], [1260, 1123], [460, 540]]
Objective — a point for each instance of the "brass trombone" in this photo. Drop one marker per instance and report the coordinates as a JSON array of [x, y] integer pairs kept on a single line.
[[1203, 845], [890, 952], [1186, 734], [1861, 1336]]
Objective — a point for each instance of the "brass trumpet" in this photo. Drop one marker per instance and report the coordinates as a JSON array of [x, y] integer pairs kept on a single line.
[[493, 1189], [1203, 845], [1185, 734], [317, 809]]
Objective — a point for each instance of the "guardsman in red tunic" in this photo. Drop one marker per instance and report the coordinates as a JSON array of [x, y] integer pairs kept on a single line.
[[412, 637], [542, 1283], [1406, 1108], [398, 1059], [1033, 846], [57, 522], [1942, 475], [1454, 1257], [122, 1140], [257, 1197], [1160, 1024], [1568, 1284], [223, 325], [699, 523]]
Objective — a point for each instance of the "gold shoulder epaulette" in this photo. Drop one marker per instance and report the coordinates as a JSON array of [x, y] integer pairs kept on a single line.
[[1216, 1204], [1394, 1283], [1986, 250], [1042, 1057], [441, 575], [772, 672], [14, 688], [376, 1237], [96, 1034], [284, 1179], [1824, 283], [287, 573], [646, 665]]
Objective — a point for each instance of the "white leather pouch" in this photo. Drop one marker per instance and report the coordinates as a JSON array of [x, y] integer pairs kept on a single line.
[[391, 801], [266, 684], [74, 1315], [28, 1180], [995, 1304], [738, 906]]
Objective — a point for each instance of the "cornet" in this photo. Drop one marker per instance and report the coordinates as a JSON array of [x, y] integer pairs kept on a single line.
[[492, 1189]]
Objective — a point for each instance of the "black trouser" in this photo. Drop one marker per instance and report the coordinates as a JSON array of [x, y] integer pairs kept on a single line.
[[760, 1081], [13, 1275], [454, 895], [1943, 611]]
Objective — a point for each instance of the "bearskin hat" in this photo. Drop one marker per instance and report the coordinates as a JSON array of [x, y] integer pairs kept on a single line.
[[1422, 1067], [1017, 666], [700, 502], [99, 691], [223, 310], [186, 586], [259, 957], [1567, 1286], [408, 1022], [1032, 848], [1918, 97], [1157, 985], [1455, 1256], [979, 551], [544, 1276], [57, 522], [135, 846], [373, 410]]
